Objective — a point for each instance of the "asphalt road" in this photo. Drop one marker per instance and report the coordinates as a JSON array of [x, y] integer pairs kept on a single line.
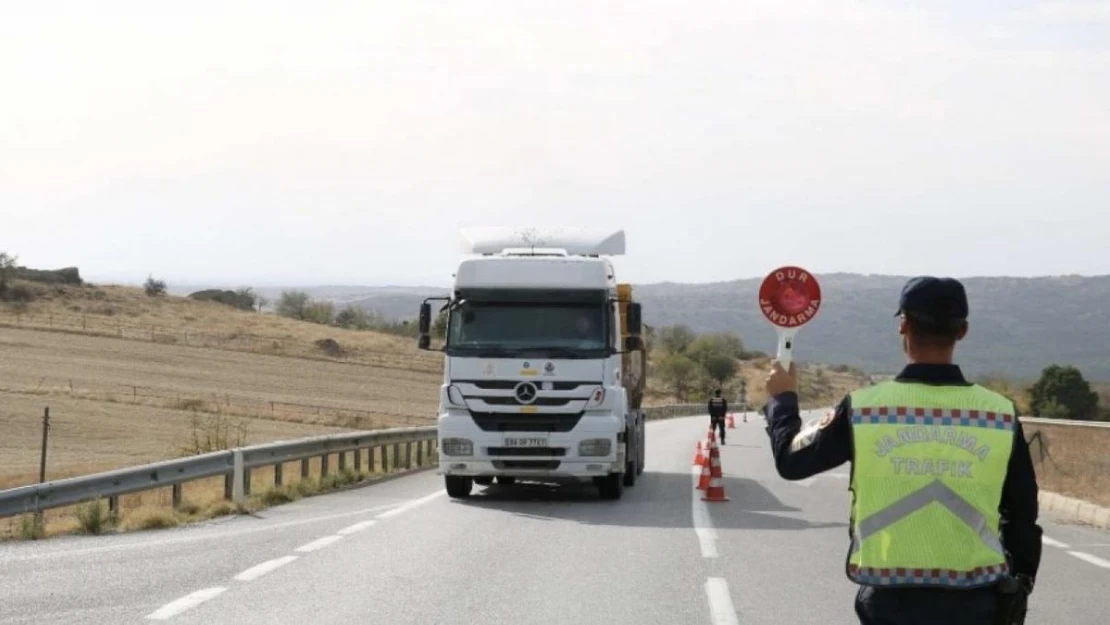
[[401, 552]]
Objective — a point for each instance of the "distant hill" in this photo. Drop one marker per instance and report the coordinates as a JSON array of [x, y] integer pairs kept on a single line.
[[1018, 325]]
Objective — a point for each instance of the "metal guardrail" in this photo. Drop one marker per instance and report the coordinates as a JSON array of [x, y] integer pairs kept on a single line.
[[236, 464], [1085, 424]]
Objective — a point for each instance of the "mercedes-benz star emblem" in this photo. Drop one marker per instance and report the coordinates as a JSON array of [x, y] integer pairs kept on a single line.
[[525, 392]]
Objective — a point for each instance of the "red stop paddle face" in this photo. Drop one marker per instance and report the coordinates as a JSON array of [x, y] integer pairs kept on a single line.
[[789, 297]]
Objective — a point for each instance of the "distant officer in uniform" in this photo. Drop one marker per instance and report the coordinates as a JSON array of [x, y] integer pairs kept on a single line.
[[944, 506], [718, 407]]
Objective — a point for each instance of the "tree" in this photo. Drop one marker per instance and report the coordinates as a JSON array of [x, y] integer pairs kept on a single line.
[[7, 270], [721, 367], [675, 339], [439, 326], [293, 304], [678, 372], [154, 288], [1063, 392]]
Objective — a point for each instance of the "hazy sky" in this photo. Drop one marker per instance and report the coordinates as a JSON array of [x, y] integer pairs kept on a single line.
[[288, 142]]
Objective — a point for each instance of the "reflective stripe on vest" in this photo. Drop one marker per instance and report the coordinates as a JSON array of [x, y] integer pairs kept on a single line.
[[927, 474]]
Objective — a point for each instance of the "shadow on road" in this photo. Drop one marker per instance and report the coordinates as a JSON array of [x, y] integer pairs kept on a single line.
[[658, 499]]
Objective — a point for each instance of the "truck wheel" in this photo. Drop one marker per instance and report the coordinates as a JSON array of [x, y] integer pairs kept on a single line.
[[629, 477], [458, 486], [483, 480], [643, 454], [506, 480], [611, 486]]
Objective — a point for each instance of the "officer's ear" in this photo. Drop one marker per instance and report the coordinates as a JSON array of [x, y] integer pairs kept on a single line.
[[903, 325], [962, 332]]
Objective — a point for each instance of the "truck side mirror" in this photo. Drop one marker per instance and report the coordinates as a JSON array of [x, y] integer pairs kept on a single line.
[[425, 324], [635, 323]]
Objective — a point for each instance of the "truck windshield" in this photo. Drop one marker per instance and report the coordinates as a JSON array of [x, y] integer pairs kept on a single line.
[[503, 330]]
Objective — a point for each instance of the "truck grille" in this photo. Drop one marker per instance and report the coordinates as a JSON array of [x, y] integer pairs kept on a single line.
[[539, 401], [508, 422], [508, 385]]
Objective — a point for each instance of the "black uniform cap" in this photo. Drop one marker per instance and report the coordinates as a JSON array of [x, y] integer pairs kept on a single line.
[[942, 301]]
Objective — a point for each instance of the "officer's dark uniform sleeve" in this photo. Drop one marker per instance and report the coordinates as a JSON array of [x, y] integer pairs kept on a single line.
[[1020, 534], [724, 406], [803, 453]]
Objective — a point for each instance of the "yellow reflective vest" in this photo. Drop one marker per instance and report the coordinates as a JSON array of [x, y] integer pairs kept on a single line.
[[927, 472]]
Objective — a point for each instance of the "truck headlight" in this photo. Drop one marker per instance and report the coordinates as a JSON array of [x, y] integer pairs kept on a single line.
[[595, 447], [456, 447], [455, 397], [597, 397]]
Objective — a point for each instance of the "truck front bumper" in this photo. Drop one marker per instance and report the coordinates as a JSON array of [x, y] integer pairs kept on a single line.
[[529, 467]]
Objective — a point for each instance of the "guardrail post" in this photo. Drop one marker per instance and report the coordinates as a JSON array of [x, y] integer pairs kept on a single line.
[[237, 474], [246, 480], [420, 453], [278, 468], [395, 457], [371, 463], [306, 469], [175, 494], [323, 466], [342, 460], [113, 508], [358, 461], [408, 455], [228, 481]]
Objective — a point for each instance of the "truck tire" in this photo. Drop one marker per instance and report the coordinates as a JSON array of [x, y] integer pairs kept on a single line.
[[458, 486], [611, 486], [643, 450], [629, 477], [483, 480]]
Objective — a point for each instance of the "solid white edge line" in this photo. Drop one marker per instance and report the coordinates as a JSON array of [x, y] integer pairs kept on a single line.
[[721, 610], [1095, 560], [409, 505], [1052, 542], [703, 523], [357, 527], [259, 570], [318, 544], [189, 601]]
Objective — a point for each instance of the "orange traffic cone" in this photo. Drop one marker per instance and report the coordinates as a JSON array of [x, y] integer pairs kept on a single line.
[[716, 490], [699, 458], [703, 483], [731, 421]]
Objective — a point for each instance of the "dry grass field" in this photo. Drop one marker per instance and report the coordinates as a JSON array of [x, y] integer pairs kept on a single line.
[[1072, 460], [131, 379]]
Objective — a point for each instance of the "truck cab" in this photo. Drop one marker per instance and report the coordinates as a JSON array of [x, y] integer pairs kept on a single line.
[[539, 363]]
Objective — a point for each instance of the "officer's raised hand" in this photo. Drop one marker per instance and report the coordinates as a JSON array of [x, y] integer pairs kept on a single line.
[[781, 381]]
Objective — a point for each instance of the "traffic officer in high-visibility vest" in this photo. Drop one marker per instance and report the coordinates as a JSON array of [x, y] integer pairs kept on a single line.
[[944, 496], [718, 408]]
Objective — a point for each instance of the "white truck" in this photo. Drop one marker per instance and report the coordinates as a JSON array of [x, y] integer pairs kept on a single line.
[[544, 366]]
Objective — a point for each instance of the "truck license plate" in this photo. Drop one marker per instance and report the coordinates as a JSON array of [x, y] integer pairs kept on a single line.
[[529, 441]]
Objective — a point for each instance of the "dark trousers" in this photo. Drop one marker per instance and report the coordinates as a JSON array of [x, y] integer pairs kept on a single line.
[[926, 606], [719, 424]]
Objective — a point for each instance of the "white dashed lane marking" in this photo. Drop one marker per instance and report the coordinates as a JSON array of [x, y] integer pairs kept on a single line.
[[721, 610], [703, 523], [1095, 560], [174, 608], [259, 570], [318, 544]]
